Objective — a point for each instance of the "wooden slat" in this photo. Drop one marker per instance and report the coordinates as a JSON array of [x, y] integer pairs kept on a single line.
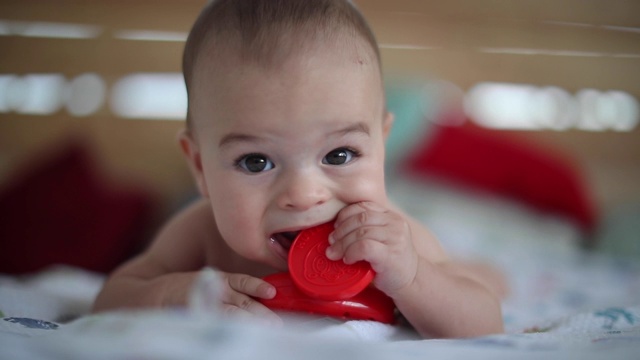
[[599, 12], [179, 14], [176, 15], [74, 56], [417, 29], [468, 68]]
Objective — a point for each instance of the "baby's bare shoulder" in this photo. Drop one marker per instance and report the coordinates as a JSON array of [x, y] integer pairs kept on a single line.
[[187, 240], [212, 249]]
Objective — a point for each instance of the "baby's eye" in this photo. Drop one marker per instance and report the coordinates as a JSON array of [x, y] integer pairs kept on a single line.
[[339, 156], [255, 163]]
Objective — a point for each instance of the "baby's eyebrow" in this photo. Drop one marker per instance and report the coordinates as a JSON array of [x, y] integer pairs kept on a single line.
[[236, 137], [360, 127]]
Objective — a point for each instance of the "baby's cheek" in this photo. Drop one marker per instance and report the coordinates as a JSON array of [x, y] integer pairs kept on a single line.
[[368, 188]]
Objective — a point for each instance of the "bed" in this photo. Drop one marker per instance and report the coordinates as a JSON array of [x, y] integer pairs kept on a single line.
[[565, 302]]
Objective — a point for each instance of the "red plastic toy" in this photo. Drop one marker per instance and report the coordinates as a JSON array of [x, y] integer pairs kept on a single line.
[[370, 304], [317, 285], [319, 277]]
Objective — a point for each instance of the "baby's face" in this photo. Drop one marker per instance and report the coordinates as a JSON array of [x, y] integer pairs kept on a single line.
[[283, 150]]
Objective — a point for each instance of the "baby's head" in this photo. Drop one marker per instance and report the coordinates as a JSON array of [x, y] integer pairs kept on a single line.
[[267, 33], [286, 120]]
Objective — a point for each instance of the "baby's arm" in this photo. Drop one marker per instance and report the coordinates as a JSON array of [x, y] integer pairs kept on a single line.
[[163, 275], [444, 300], [439, 297], [450, 298]]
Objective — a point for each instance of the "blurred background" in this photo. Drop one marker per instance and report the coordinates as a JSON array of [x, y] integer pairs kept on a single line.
[[91, 99]]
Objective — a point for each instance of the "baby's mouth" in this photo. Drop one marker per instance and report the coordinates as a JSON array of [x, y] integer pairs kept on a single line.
[[285, 239]]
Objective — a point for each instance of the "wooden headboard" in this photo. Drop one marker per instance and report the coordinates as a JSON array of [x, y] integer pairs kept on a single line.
[[450, 40]]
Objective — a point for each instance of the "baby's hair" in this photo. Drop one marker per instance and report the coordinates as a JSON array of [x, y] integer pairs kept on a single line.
[[264, 32]]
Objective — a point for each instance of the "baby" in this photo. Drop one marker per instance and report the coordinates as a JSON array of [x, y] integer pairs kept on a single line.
[[285, 130]]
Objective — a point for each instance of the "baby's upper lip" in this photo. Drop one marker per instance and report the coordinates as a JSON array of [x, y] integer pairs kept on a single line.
[[298, 228]]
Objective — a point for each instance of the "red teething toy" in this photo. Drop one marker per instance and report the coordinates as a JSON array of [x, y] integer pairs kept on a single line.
[[319, 277], [318, 285], [370, 304]]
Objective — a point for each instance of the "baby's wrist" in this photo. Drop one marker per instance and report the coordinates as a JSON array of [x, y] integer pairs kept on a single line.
[[423, 279]]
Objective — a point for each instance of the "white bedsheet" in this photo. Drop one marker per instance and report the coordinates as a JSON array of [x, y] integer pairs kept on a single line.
[[611, 333]]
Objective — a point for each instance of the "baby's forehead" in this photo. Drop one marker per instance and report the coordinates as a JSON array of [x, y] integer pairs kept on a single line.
[[285, 48], [226, 63], [225, 87], [266, 37]]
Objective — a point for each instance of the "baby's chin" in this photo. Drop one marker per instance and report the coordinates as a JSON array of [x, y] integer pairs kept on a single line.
[[273, 265]]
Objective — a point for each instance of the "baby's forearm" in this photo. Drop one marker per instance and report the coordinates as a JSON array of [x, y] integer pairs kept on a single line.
[[126, 291], [443, 303]]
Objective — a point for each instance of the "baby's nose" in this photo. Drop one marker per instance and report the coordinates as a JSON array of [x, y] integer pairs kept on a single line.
[[303, 191]]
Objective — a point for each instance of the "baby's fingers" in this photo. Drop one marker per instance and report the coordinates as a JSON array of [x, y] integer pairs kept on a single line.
[[239, 299], [251, 286], [356, 209], [365, 243], [359, 225]]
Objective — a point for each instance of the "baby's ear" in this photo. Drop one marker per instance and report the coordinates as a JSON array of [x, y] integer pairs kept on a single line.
[[387, 123], [191, 153]]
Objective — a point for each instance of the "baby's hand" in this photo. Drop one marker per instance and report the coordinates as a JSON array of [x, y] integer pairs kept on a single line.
[[367, 231], [238, 296]]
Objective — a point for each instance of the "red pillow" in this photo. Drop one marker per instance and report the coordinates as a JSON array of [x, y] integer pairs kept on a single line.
[[58, 211], [484, 160]]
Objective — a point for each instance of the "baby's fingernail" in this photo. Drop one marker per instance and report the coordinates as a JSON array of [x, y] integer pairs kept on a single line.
[[267, 291], [331, 253], [332, 239]]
